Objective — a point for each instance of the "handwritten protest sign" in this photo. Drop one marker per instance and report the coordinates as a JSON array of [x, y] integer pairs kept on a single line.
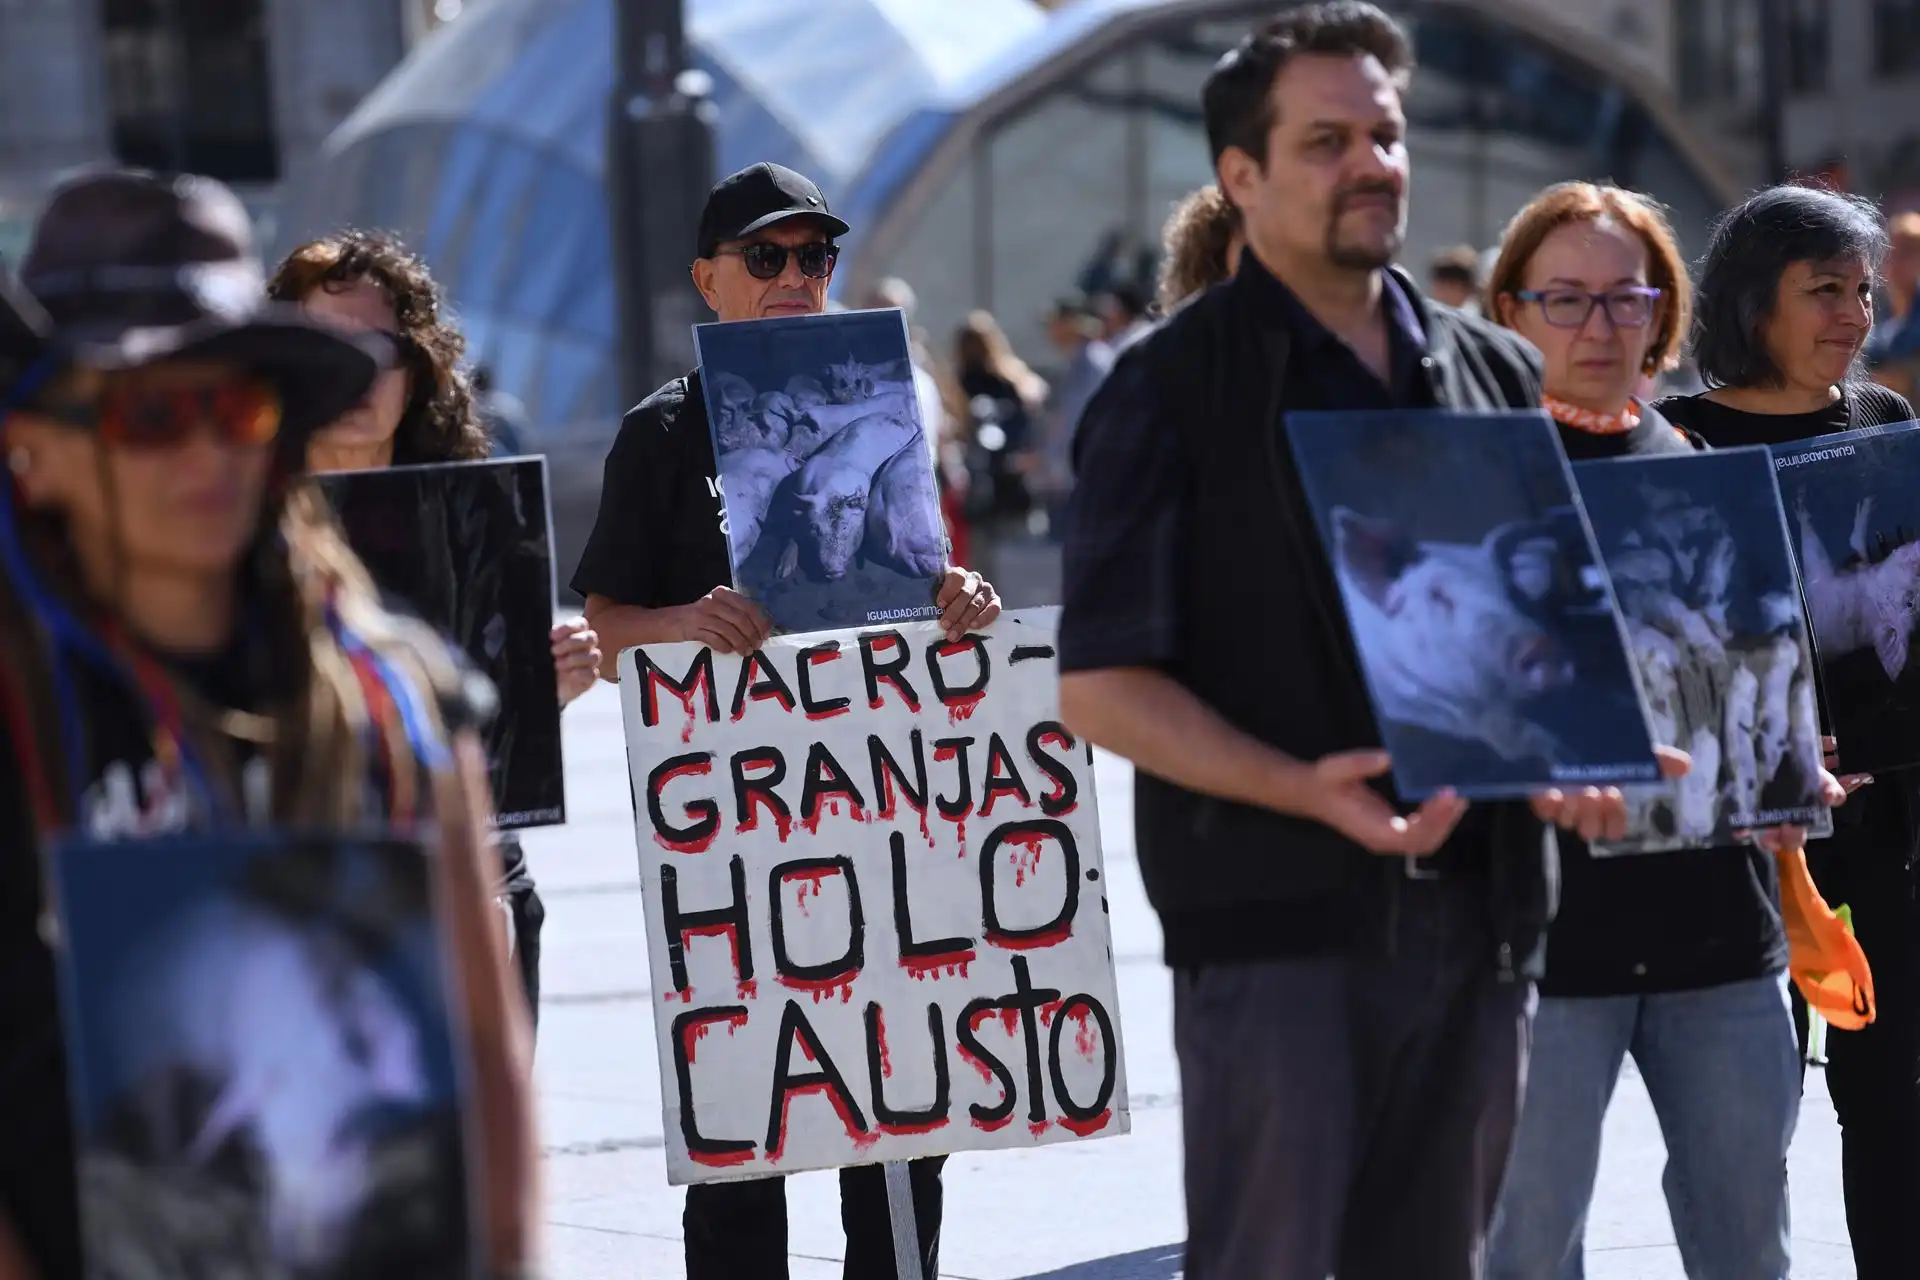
[[875, 908]]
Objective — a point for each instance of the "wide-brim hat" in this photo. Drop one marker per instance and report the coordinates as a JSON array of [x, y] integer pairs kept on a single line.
[[129, 267]]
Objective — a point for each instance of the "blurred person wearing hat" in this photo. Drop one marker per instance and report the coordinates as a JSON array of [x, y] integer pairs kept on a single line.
[[1453, 277], [178, 613], [655, 570]]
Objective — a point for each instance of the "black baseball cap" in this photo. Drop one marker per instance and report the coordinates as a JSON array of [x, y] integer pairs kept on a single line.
[[757, 197]]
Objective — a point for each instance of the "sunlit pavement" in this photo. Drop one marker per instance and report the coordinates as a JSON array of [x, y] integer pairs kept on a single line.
[[1102, 1210]]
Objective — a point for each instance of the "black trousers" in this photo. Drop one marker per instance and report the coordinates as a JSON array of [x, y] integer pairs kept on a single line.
[[1874, 1075], [1352, 1116], [529, 914], [738, 1230]]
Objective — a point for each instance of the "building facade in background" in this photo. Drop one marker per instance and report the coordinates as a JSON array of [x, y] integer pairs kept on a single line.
[[245, 90], [1847, 80]]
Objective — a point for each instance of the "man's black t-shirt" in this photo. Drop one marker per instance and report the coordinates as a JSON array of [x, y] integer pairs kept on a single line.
[[660, 537], [127, 797]]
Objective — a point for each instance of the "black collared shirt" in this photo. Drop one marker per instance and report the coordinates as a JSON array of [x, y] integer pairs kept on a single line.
[[1323, 372], [1123, 544]]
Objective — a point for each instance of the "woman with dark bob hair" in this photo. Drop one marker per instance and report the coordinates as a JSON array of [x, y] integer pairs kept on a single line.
[[1784, 309], [421, 411]]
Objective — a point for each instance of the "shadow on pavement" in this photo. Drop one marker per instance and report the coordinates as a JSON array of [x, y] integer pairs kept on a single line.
[[1161, 1263]]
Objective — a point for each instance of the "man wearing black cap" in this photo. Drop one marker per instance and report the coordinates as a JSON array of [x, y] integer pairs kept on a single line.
[[655, 567], [655, 570]]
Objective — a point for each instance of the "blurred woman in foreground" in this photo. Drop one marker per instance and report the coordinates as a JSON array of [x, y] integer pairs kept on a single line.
[[186, 643], [420, 411]]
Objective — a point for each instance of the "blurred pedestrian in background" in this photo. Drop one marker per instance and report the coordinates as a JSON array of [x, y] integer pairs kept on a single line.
[[1453, 277], [1004, 400], [1074, 330], [1893, 352], [420, 411], [1123, 310], [501, 414], [1200, 246]]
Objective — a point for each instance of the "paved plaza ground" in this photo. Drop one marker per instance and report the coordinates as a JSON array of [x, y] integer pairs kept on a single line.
[[1102, 1210]]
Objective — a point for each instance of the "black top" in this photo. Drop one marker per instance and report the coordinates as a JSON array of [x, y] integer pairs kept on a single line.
[[1635, 924], [125, 800], [1190, 548], [660, 538], [1864, 404]]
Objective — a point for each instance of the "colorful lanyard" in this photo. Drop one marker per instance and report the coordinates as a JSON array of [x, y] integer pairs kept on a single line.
[[68, 633]]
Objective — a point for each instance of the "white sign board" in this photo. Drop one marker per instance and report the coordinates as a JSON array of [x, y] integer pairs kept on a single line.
[[876, 915]]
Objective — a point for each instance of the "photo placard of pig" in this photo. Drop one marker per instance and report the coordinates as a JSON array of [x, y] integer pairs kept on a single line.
[[831, 491], [904, 529], [1697, 549], [1853, 511], [1490, 647], [826, 528], [1443, 642]]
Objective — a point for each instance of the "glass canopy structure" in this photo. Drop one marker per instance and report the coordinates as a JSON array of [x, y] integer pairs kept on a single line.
[[992, 154]]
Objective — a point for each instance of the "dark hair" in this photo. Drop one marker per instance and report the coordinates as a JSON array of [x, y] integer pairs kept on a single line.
[[1459, 264], [439, 423], [1129, 297], [1238, 97], [1751, 248]]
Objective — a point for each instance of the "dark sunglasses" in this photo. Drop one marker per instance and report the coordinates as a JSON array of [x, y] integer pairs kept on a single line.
[[765, 260], [239, 413]]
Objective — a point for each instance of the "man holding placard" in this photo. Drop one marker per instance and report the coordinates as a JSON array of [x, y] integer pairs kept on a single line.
[[657, 569], [1352, 1029]]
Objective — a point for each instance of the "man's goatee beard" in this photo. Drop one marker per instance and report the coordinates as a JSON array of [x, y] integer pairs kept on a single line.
[[1354, 257]]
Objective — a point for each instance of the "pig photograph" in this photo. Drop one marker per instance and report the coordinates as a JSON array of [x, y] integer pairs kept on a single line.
[[468, 547], [1487, 635], [1696, 547], [265, 1082], [1853, 512], [825, 468]]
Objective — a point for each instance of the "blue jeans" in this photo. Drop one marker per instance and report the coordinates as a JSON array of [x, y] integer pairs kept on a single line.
[[1722, 1067]]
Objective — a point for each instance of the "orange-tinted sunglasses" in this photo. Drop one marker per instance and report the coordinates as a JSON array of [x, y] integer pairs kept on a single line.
[[239, 413]]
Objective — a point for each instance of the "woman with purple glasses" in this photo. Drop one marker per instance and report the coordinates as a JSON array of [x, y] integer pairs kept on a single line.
[[1676, 958]]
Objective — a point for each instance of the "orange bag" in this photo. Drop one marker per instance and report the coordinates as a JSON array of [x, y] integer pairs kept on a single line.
[[1823, 955]]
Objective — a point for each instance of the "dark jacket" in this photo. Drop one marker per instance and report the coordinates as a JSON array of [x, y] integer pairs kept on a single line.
[[1265, 645]]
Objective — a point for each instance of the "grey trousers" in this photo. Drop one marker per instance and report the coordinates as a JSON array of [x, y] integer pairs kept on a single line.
[[1352, 1116]]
